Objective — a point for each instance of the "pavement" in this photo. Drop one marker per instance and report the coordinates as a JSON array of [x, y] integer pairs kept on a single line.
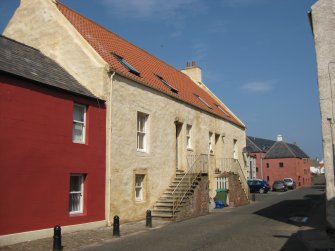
[[81, 239]]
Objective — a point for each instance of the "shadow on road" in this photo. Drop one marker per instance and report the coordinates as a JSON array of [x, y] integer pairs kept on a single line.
[[308, 212]]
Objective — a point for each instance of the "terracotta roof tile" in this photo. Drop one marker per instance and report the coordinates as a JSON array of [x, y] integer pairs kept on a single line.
[[106, 42]]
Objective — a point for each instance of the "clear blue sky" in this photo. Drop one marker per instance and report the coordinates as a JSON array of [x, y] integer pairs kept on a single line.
[[258, 56]]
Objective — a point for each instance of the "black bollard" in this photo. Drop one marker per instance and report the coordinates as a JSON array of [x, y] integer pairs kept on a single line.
[[148, 219], [116, 226], [57, 238], [253, 197]]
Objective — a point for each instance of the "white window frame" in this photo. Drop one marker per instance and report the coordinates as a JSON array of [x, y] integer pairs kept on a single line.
[[142, 134], [82, 123], [189, 136], [210, 143], [139, 187], [221, 182], [79, 193]]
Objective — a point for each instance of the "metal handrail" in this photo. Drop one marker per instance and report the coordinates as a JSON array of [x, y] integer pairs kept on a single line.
[[231, 165], [196, 166]]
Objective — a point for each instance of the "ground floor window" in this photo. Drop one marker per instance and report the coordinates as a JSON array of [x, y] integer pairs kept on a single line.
[[222, 183], [139, 187], [76, 193]]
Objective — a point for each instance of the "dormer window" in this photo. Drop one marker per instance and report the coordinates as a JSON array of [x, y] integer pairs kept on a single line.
[[221, 109], [202, 100], [124, 62], [166, 83]]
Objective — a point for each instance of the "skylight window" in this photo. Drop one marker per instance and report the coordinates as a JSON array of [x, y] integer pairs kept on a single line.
[[221, 109], [167, 84], [203, 101], [124, 62]]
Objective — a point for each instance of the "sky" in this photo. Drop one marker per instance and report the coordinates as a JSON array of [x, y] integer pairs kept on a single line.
[[257, 56]]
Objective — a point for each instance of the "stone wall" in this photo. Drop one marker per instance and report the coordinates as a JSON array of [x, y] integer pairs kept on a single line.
[[199, 202], [236, 194]]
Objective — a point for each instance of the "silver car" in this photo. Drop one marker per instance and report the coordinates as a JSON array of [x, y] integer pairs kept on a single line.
[[279, 185], [290, 183]]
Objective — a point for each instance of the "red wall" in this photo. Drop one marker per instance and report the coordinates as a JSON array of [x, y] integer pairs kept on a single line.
[[297, 169], [37, 157]]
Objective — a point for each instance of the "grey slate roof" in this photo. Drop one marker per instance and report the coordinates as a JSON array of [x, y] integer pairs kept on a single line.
[[276, 149], [27, 62]]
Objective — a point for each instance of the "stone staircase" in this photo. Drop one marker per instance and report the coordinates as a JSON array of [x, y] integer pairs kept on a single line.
[[163, 208]]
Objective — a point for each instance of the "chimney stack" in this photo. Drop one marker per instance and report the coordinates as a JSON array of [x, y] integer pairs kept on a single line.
[[279, 137], [193, 71]]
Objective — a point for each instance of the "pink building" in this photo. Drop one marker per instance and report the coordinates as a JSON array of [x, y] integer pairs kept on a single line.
[[276, 160]]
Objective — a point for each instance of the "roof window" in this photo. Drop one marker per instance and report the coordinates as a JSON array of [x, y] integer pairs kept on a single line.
[[124, 62], [166, 83], [202, 100], [221, 109]]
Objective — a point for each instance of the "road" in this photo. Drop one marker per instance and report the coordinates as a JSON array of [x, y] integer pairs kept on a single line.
[[272, 222]]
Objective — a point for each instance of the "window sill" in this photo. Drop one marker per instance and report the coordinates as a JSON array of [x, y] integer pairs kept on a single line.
[[77, 214], [190, 150], [80, 143]]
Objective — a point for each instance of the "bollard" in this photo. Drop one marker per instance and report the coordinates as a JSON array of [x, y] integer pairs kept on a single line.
[[57, 245], [148, 219], [116, 226], [253, 197]]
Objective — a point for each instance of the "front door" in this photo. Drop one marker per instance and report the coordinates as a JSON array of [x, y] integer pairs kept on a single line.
[[178, 144]]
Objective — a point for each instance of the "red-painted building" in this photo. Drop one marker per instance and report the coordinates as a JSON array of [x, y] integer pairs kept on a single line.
[[52, 145], [276, 160]]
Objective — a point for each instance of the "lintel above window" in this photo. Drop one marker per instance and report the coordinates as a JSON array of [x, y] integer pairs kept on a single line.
[[222, 110], [166, 83], [202, 100], [124, 62]]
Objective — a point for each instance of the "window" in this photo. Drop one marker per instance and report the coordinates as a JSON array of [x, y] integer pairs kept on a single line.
[[76, 193], [222, 110], [139, 179], [202, 100], [235, 153], [167, 84], [267, 165], [256, 169], [210, 142], [130, 68], [267, 178], [188, 137], [79, 123], [142, 134], [221, 183], [281, 164]]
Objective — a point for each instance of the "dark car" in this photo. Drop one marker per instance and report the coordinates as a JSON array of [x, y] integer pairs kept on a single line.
[[258, 186], [279, 185]]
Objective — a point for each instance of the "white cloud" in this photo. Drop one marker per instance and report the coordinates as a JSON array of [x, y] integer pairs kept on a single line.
[[258, 86], [152, 9]]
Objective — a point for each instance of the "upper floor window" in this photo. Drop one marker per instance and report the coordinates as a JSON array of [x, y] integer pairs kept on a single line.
[[235, 153], [79, 123], [142, 131], [202, 100], [166, 83], [210, 142], [188, 137], [267, 165], [281, 164]]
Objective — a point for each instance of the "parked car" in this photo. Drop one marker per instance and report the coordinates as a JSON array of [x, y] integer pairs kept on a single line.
[[279, 185], [258, 186], [290, 183]]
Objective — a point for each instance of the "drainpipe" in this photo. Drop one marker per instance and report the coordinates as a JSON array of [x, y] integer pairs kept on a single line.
[[108, 155]]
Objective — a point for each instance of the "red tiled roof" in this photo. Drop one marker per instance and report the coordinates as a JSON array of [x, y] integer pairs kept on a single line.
[[105, 42]]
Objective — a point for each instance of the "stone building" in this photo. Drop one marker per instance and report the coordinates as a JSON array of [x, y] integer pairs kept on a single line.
[[163, 125], [322, 21]]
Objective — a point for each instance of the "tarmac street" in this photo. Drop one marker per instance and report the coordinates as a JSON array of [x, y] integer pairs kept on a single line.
[[293, 220]]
